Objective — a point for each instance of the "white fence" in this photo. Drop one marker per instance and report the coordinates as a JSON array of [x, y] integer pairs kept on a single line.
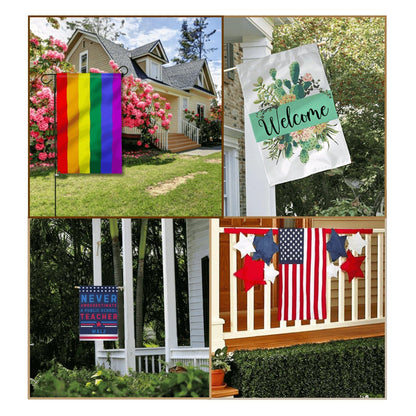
[[191, 131], [162, 135], [363, 298], [152, 360]]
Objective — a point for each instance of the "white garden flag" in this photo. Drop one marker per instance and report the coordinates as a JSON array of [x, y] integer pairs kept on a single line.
[[288, 102]]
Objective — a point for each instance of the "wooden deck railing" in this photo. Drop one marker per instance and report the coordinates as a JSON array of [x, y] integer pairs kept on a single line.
[[254, 313]]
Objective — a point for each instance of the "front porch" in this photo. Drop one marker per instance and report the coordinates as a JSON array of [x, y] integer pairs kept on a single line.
[[248, 320], [156, 359]]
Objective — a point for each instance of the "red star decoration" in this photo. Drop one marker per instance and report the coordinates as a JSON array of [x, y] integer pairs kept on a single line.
[[252, 273], [353, 266]]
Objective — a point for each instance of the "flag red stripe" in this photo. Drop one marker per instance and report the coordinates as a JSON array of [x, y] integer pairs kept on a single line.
[[62, 122], [308, 274], [302, 287]]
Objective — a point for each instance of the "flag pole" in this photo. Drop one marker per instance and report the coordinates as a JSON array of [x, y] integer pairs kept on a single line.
[[53, 75]]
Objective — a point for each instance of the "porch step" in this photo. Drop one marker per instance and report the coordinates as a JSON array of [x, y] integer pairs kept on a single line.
[[178, 142]]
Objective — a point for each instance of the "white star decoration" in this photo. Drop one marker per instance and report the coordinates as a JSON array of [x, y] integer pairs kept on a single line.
[[245, 245], [332, 270], [356, 243], [269, 272]]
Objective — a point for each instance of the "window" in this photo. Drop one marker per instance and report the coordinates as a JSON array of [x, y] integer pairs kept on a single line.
[[230, 60], [154, 70], [184, 103], [200, 111], [201, 79], [83, 62]]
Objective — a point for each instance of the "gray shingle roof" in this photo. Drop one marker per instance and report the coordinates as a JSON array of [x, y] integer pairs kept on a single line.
[[181, 76]]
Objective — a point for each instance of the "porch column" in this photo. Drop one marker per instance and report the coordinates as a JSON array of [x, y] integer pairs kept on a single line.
[[216, 336], [129, 344], [96, 266], [169, 289], [260, 196]]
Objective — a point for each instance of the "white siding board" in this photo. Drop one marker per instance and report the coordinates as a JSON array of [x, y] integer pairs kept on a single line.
[[197, 232]]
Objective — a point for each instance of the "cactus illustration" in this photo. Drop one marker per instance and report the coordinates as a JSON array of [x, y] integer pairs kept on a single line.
[[273, 73], [294, 72], [299, 91], [287, 83], [279, 83], [304, 156], [306, 85]]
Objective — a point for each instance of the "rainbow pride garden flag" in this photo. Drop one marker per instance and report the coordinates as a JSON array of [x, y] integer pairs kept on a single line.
[[88, 112]]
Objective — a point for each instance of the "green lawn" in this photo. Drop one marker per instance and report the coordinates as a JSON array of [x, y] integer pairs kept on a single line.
[[126, 195]]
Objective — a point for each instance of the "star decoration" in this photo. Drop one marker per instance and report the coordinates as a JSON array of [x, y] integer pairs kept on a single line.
[[336, 245], [252, 273], [356, 243], [353, 266], [332, 270], [269, 272], [245, 245], [265, 247]]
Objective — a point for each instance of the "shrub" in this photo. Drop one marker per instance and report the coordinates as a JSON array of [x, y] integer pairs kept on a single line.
[[336, 369], [59, 381]]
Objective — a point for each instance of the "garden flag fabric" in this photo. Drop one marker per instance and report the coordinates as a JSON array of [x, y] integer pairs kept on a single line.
[[302, 274], [88, 116], [98, 313], [288, 102]]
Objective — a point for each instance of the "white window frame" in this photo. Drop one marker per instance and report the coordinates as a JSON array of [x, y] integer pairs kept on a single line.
[[80, 61], [154, 67]]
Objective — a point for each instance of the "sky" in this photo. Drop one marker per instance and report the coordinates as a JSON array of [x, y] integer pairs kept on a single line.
[[142, 30]]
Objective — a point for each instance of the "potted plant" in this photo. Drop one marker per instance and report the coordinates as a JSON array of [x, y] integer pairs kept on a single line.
[[220, 364]]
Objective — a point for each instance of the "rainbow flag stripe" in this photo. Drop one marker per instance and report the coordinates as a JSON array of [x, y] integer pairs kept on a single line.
[[88, 116]]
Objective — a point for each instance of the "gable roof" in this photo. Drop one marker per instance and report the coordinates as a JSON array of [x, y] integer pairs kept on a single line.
[[153, 48], [183, 76], [180, 76]]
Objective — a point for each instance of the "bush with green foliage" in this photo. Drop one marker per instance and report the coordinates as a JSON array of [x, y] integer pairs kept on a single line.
[[353, 368], [59, 381]]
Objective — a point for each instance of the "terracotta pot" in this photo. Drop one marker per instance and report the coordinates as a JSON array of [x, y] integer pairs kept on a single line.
[[217, 377]]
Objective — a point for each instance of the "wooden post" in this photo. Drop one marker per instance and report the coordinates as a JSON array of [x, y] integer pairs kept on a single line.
[[216, 327], [129, 343], [169, 290]]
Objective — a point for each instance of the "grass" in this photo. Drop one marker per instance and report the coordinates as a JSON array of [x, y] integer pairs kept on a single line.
[[126, 195]]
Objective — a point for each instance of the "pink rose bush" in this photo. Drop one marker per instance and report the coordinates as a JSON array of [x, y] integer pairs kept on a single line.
[[142, 107], [46, 56]]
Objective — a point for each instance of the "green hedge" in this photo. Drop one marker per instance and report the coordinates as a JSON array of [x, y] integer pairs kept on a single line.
[[335, 369]]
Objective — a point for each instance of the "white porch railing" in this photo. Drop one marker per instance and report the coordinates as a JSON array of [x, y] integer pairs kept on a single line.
[[152, 360], [161, 135], [191, 131], [362, 298]]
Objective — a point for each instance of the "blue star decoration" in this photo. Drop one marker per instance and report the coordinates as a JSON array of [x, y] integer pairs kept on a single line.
[[265, 247], [336, 245]]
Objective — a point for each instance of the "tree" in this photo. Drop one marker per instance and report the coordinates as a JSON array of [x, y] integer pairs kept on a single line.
[[105, 27], [140, 283], [193, 41], [185, 45], [353, 54]]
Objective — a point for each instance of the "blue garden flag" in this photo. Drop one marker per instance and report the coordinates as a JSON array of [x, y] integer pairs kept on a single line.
[[98, 313], [290, 107]]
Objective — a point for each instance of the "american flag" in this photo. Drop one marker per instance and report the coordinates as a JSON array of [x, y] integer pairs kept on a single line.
[[302, 274]]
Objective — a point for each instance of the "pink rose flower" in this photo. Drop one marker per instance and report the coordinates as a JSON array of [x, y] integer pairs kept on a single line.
[[307, 77]]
